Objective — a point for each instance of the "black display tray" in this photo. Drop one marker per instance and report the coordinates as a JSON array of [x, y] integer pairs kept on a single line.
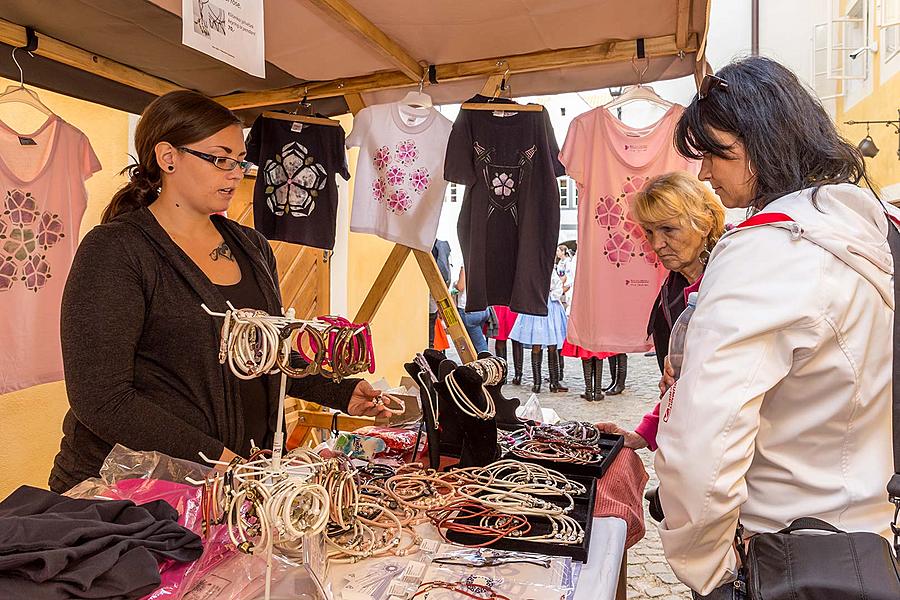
[[583, 512], [611, 444]]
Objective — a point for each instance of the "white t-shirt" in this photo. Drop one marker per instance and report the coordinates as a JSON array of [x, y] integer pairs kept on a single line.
[[399, 183]]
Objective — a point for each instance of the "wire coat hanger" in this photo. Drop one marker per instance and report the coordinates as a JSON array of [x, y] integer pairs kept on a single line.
[[639, 92], [21, 94], [502, 86], [298, 118], [418, 99]]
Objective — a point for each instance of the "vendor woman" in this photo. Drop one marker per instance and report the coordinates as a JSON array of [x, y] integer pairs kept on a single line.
[[139, 352]]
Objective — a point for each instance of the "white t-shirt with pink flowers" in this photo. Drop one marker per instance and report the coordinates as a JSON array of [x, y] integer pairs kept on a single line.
[[399, 184]]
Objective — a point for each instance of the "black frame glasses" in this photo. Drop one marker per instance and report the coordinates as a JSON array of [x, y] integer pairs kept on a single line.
[[709, 83], [225, 163]]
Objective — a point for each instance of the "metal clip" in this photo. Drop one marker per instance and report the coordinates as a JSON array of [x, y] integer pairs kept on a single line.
[[796, 231]]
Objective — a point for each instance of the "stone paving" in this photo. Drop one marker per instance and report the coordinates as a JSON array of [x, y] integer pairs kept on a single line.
[[649, 576]]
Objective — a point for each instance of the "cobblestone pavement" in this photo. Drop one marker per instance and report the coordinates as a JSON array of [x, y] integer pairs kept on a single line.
[[649, 576]]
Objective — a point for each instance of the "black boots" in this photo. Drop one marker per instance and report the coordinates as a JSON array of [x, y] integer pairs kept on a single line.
[[618, 366], [517, 352], [598, 378], [500, 352], [562, 368], [553, 359], [593, 379], [537, 358], [587, 366]]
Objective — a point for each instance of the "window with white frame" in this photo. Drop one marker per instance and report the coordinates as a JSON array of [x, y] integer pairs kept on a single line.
[[825, 87], [890, 29], [563, 183], [454, 193], [847, 41]]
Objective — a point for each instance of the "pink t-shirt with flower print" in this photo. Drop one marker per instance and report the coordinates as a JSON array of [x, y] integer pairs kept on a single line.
[[42, 201], [399, 185], [618, 275]]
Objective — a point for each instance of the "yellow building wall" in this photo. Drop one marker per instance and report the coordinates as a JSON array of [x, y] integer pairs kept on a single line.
[[881, 105], [31, 422]]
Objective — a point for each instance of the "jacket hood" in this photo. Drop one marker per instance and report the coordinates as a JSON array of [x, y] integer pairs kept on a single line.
[[847, 221]]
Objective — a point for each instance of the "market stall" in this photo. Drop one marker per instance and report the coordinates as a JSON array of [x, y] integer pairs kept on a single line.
[[566, 497]]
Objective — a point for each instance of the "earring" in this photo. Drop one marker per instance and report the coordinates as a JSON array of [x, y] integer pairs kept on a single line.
[[171, 168], [750, 168]]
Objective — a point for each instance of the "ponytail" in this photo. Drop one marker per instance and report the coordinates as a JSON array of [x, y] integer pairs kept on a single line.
[[140, 191]]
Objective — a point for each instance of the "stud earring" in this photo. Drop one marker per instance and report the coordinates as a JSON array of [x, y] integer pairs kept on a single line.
[[171, 168]]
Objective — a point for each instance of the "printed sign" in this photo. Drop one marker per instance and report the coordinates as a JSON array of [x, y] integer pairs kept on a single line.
[[228, 30]]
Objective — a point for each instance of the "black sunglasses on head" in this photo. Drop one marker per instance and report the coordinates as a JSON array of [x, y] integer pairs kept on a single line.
[[709, 83]]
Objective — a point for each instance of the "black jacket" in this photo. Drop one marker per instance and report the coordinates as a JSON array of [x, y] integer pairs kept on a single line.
[[669, 304], [141, 356]]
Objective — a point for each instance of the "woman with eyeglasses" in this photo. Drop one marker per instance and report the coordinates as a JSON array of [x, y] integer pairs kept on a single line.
[[783, 405], [140, 355]]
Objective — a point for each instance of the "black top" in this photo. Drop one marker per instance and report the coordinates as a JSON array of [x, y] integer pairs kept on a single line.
[[295, 196], [141, 356], [667, 307], [254, 392], [509, 223]]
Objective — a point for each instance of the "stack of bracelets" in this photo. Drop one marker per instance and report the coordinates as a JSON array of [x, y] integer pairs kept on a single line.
[[465, 404], [570, 441], [254, 343], [372, 511], [490, 369]]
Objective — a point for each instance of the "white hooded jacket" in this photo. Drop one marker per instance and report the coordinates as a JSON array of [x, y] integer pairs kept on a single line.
[[783, 408]]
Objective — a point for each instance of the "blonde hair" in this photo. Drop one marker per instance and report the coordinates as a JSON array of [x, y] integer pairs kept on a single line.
[[680, 195]]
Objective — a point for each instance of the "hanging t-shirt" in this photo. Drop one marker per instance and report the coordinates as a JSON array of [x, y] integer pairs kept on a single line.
[[295, 197], [399, 189], [618, 275], [509, 221], [42, 201]]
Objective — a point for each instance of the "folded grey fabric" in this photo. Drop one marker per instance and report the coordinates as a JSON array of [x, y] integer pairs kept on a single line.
[[53, 547]]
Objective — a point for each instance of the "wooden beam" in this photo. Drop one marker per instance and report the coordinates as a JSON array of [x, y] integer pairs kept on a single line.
[[382, 284], [345, 13], [355, 103], [608, 52], [61, 52], [446, 307], [683, 22]]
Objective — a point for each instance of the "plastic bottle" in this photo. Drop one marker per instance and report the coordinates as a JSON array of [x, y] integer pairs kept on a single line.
[[679, 333]]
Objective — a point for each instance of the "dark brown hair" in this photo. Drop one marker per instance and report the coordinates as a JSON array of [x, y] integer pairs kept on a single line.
[[790, 140], [179, 118]]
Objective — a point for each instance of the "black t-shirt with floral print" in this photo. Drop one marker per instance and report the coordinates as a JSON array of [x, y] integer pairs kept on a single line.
[[509, 222], [295, 196]]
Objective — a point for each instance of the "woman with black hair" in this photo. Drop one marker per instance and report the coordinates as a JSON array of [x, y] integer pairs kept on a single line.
[[783, 406], [140, 355]]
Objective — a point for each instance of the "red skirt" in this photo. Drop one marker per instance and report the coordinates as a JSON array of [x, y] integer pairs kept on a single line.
[[505, 321], [573, 351]]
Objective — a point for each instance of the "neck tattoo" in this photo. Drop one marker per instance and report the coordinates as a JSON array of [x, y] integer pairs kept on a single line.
[[222, 250]]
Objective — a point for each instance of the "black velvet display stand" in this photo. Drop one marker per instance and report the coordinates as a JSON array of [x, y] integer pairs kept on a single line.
[[506, 407]]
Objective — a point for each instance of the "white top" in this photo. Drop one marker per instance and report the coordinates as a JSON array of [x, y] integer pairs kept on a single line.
[[399, 183], [783, 408]]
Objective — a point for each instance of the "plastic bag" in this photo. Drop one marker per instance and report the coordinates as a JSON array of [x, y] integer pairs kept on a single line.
[[531, 410], [146, 476]]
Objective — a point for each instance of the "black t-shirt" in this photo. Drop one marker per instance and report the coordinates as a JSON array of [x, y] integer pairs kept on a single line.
[[509, 222], [295, 196], [254, 393]]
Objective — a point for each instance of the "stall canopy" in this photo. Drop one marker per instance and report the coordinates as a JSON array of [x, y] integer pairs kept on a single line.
[[123, 53]]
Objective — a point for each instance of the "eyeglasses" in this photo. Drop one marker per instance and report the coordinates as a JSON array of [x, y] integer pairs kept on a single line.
[[709, 83], [225, 163]]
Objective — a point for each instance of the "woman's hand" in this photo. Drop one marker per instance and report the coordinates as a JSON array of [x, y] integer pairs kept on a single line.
[[363, 402], [633, 439], [668, 378]]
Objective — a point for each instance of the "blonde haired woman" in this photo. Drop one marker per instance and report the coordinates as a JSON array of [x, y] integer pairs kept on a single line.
[[682, 219]]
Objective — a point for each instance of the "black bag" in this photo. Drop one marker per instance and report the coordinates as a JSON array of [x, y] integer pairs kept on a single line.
[[835, 565]]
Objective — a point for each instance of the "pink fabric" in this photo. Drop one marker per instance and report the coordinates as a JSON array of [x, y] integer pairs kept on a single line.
[[618, 275], [574, 351], [620, 493], [505, 321], [649, 426], [42, 200], [694, 287]]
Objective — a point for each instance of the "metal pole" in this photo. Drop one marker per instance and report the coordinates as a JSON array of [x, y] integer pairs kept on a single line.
[[754, 28]]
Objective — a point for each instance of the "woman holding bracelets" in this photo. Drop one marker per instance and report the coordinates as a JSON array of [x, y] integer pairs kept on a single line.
[[140, 354], [682, 219]]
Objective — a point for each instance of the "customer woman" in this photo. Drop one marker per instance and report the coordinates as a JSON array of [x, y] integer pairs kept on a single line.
[[783, 407], [139, 352], [473, 321], [682, 219]]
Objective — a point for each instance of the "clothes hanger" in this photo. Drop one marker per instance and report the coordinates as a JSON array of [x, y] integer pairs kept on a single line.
[[19, 93], [308, 118], [503, 86], [639, 92], [418, 99]]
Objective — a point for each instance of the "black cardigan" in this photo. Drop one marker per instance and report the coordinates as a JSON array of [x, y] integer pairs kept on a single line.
[[141, 356], [662, 317]]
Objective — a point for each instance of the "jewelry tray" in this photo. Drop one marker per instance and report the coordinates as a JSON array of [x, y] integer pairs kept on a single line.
[[610, 443], [583, 512]]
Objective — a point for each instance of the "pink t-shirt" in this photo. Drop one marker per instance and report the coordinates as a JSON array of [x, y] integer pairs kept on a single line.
[[42, 200], [618, 274]]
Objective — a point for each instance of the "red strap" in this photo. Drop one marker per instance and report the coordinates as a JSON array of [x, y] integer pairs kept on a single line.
[[893, 218], [765, 219]]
